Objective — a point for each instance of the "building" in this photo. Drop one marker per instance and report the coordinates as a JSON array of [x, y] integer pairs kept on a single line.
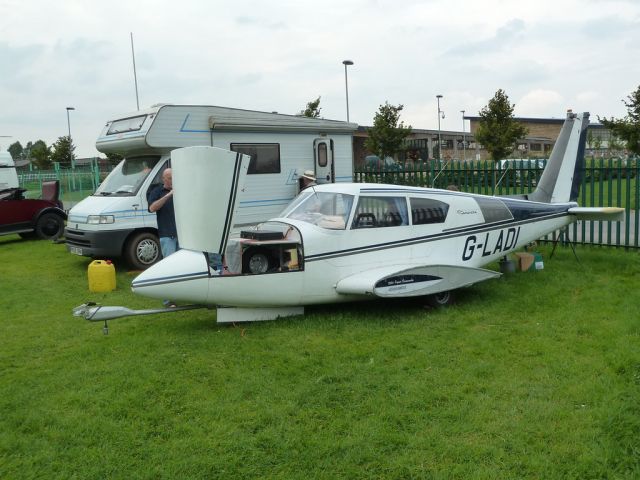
[[539, 142]]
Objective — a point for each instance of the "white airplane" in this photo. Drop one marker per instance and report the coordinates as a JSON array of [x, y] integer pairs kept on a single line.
[[347, 242]]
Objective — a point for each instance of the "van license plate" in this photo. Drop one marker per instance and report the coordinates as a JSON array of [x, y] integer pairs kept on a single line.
[[75, 250]]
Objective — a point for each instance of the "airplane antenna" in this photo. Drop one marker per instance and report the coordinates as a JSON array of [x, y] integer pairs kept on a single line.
[[500, 180], [441, 170]]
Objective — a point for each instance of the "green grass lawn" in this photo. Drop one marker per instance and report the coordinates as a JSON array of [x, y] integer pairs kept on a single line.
[[536, 375]]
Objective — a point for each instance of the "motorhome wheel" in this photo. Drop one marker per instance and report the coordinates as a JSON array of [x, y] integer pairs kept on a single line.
[[142, 250]]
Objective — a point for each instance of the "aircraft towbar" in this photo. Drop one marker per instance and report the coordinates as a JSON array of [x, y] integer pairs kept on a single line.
[[97, 313]]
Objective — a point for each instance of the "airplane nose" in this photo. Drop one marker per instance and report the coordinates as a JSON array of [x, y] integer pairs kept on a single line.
[[181, 277]]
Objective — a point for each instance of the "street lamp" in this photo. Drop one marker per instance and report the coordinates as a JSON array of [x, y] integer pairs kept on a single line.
[[69, 126], [464, 138], [440, 115], [346, 84]]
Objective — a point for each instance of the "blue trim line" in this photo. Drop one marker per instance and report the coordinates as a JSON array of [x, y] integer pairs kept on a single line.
[[429, 238], [185, 130], [172, 279]]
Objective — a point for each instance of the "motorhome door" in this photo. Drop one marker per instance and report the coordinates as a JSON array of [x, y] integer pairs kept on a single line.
[[323, 154]]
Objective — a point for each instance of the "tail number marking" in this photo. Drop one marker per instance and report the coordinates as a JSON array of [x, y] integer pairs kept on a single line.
[[490, 243]]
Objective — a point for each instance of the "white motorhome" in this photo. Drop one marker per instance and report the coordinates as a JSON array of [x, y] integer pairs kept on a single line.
[[8, 174], [115, 221]]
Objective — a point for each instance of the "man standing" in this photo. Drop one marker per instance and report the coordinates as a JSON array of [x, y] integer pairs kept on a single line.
[[161, 202], [306, 180]]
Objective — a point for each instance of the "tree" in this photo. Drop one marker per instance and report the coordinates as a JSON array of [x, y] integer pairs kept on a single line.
[[627, 128], [387, 133], [590, 138], [312, 110], [614, 144], [497, 129], [597, 143], [26, 152], [114, 158], [62, 151], [16, 150], [40, 155]]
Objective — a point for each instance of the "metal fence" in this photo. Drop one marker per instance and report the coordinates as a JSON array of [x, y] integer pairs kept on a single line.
[[611, 182], [75, 184]]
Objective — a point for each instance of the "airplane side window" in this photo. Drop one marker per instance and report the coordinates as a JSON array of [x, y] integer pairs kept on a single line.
[[324, 209], [493, 209], [427, 210], [375, 212]]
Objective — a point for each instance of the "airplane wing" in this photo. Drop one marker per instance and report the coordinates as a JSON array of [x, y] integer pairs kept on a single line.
[[611, 214], [411, 280]]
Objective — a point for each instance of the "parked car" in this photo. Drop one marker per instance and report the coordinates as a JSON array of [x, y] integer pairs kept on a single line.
[[43, 217]]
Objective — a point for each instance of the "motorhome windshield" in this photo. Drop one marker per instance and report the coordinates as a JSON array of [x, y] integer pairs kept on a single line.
[[327, 210], [128, 176]]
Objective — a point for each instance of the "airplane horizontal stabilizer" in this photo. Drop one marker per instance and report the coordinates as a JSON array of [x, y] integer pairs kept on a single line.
[[412, 281], [611, 214]]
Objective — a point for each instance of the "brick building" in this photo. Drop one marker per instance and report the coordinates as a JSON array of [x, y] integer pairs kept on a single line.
[[538, 143]]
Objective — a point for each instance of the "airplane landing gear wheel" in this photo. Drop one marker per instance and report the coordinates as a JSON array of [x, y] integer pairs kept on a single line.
[[441, 299]]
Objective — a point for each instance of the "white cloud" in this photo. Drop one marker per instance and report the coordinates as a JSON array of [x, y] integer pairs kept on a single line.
[[547, 55], [537, 103]]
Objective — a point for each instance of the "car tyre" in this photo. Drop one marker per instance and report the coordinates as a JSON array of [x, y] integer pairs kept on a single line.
[[142, 250], [441, 299], [49, 226]]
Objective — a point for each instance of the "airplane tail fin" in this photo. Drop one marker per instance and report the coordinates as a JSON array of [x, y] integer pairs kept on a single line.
[[560, 181]]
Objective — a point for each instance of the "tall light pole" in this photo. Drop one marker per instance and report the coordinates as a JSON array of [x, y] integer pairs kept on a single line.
[[346, 83], [440, 115], [69, 126], [464, 138]]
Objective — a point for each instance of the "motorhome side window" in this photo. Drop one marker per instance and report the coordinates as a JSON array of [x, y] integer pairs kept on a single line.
[[157, 180], [427, 210], [373, 212], [265, 157]]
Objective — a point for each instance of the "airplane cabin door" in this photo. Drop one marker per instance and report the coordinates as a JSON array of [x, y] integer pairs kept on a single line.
[[323, 155]]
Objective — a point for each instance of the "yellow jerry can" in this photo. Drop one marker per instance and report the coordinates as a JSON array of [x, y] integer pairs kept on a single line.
[[102, 276]]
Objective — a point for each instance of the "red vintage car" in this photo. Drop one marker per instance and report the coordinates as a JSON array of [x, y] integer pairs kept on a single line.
[[43, 217]]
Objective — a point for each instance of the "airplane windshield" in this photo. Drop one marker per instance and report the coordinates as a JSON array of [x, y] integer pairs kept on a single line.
[[327, 210], [128, 176]]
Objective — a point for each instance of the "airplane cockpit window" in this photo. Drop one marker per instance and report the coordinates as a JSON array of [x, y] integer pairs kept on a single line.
[[375, 212], [493, 209], [324, 209], [428, 210]]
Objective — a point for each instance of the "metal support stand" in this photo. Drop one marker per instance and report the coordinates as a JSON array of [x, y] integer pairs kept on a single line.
[[555, 244]]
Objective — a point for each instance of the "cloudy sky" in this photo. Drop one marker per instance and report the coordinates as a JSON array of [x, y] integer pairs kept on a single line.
[[277, 55]]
